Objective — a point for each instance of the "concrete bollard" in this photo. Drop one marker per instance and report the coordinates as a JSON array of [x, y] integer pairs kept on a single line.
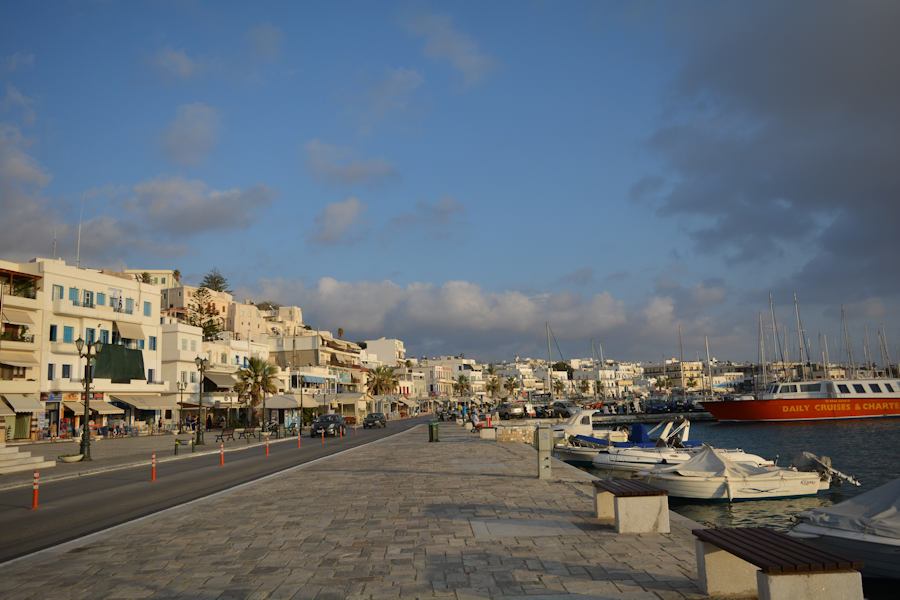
[[543, 443], [34, 490]]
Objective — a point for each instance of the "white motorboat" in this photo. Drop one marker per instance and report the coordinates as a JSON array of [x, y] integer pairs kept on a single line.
[[865, 527], [711, 474], [635, 459], [580, 448], [582, 423]]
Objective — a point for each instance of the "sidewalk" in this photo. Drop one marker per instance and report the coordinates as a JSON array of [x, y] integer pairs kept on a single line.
[[399, 518], [112, 453]]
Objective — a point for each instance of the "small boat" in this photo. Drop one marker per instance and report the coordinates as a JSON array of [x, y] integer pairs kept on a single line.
[[714, 475], [865, 527], [580, 448]]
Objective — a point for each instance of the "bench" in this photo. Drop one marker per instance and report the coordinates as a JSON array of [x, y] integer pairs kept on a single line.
[[757, 561], [634, 506], [246, 433], [225, 434]]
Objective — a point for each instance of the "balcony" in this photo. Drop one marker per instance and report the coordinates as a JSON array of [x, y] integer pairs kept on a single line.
[[17, 338], [64, 306]]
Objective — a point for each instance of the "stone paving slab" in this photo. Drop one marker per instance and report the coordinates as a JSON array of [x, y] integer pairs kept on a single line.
[[399, 518]]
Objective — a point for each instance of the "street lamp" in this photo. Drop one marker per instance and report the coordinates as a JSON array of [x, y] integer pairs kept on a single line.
[[181, 385], [202, 365], [87, 351]]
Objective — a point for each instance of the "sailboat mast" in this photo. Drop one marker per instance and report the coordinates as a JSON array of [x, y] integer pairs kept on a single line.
[[847, 345], [799, 337], [549, 364], [681, 364], [708, 367], [866, 354], [827, 358], [762, 353], [776, 342]]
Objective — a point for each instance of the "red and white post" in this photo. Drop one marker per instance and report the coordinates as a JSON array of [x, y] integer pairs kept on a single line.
[[153, 467], [34, 490], [222, 454], [267, 447], [323, 437]]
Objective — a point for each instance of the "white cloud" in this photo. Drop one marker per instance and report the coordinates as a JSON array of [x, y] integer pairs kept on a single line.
[[175, 63], [444, 42], [16, 61], [265, 40], [338, 222], [192, 135], [430, 218], [180, 207], [335, 164], [14, 100]]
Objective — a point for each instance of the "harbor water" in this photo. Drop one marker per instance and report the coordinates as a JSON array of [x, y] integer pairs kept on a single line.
[[864, 448]]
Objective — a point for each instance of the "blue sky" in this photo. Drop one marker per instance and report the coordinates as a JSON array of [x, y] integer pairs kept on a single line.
[[458, 173]]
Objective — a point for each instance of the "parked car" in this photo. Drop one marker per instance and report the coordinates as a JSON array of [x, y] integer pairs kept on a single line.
[[563, 410], [511, 410], [329, 424], [543, 411], [374, 420]]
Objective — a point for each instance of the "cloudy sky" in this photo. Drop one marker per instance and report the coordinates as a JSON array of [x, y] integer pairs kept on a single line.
[[456, 174]]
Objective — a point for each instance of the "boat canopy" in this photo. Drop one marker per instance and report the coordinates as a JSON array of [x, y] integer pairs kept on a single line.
[[876, 512], [709, 463]]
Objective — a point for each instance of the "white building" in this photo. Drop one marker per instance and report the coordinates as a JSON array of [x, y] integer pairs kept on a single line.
[[389, 351]]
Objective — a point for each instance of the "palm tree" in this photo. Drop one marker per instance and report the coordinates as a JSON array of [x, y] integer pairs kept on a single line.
[[382, 380], [583, 386], [461, 386], [492, 386], [510, 385], [257, 380], [340, 332], [558, 387]]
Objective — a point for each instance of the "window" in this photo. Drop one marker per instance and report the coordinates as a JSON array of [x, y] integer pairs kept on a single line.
[[88, 299], [843, 388], [193, 377], [101, 299], [875, 388], [52, 335], [858, 388], [888, 387], [50, 371], [193, 345], [129, 306], [788, 389], [184, 344], [68, 334], [162, 280], [184, 377], [104, 336], [224, 358], [58, 292], [73, 295], [147, 307], [140, 344], [150, 374], [152, 342], [89, 335], [811, 387], [67, 371]]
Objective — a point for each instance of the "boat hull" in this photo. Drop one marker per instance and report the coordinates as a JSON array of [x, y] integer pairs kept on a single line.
[[752, 488], [803, 409], [574, 455], [880, 556]]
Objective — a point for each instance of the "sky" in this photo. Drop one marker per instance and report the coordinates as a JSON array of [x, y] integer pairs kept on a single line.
[[457, 174]]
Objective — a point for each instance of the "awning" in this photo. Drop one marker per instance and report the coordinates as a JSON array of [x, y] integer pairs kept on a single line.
[[18, 359], [306, 400], [24, 403], [154, 402], [6, 411], [102, 407], [281, 403], [75, 407], [131, 331], [19, 317], [313, 379], [222, 380]]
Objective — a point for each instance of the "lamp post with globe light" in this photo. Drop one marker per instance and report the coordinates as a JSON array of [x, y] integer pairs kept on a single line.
[[181, 385], [87, 351]]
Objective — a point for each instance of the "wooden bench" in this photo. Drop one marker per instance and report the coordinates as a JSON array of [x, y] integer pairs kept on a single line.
[[634, 506], [247, 433], [225, 434], [757, 561]]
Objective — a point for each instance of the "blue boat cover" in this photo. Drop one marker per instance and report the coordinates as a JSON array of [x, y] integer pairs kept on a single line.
[[639, 434], [591, 440]]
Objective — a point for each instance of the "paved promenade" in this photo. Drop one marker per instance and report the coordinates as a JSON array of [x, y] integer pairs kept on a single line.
[[400, 518]]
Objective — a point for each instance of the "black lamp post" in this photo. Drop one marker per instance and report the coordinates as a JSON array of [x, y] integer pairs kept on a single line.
[[87, 351], [181, 385], [202, 365]]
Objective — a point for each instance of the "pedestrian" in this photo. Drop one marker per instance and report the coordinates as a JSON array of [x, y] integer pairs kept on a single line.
[[208, 422]]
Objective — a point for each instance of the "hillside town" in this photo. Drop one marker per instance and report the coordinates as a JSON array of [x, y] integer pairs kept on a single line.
[[166, 347]]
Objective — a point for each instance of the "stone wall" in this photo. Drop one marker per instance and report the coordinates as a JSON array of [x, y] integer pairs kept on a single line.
[[516, 433]]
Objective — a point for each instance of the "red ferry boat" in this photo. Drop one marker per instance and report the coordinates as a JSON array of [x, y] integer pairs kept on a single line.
[[814, 401]]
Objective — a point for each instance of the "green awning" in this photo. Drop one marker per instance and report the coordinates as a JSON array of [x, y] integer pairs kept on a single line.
[[119, 364]]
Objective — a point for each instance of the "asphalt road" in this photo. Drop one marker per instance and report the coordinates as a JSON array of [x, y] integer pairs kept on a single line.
[[72, 508]]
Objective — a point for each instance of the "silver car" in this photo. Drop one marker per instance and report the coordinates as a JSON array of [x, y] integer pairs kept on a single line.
[[512, 410]]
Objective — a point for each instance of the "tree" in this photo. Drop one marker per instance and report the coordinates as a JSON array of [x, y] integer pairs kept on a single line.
[[215, 281], [461, 386], [510, 385], [340, 333], [177, 275], [564, 366], [202, 313], [491, 370], [492, 386], [558, 386], [583, 386], [144, 277], [382, 380], [268, 305], [257, 379]]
